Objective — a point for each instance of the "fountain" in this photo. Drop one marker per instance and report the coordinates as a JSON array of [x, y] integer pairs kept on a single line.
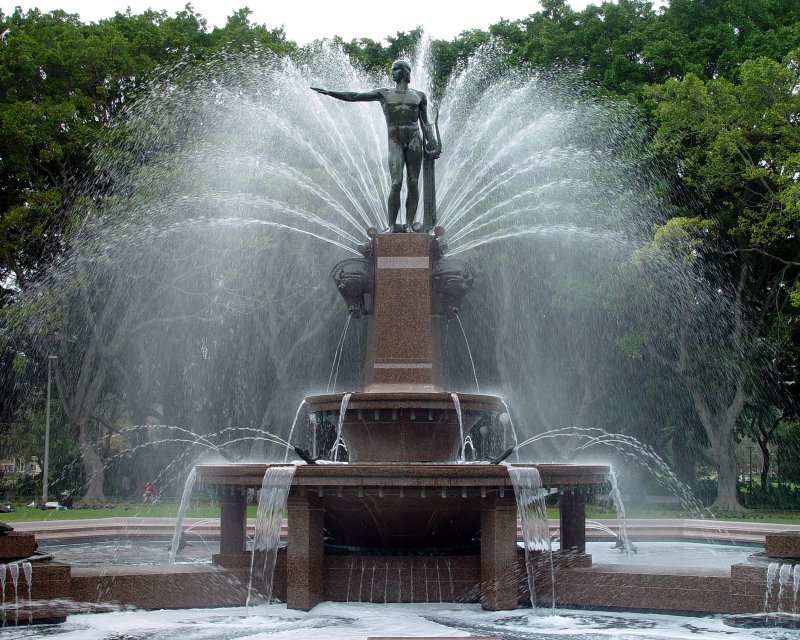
[[401, 494], [404, 518]]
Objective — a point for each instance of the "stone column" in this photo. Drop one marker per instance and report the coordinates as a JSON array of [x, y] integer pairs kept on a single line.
[[572, 514], [305, 570], [233, 526], [499, 552], [403, 346]]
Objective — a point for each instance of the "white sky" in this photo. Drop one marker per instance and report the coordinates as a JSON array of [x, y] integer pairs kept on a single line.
[[306, 20]]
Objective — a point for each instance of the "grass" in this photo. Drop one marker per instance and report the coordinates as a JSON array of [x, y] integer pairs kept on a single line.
[[170, 510], [123, 510]]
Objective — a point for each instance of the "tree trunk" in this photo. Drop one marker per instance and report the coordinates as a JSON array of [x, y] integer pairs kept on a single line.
[[727, 493], [764, 467], [719, 425], [93, 467]]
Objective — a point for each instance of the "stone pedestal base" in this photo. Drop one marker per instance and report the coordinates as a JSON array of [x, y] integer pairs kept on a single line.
[[572, 514], [499, 553], [305, 562]]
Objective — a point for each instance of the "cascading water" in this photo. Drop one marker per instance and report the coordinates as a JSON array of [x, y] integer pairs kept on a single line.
[[469, 353], [27, 570], [505, 419], [795, 586], [632, 450], [13, 570], [772, 575], [624, 541], [783, 580], [337, 358], [176, 536], [291, 431], [532, 513], [269, 517], [462, 447], [342, 411]]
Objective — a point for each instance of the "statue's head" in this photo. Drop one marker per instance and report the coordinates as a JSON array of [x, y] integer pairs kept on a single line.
[[401, 70]]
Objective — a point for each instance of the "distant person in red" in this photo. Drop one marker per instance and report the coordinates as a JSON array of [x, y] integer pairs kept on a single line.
[[149, 491]]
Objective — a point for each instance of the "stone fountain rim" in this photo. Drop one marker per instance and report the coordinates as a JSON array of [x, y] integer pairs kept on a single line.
[[416, 474], [404, 400]]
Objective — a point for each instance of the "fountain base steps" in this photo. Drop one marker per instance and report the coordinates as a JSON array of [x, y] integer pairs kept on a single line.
[[445, 578], [639, 588], [160, 586]]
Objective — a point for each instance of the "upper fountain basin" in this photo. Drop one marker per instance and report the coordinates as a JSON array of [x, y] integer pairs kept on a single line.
[[403, 427]]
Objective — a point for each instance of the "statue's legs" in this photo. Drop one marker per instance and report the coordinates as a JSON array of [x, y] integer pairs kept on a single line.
[[413, 158], [396, 164]]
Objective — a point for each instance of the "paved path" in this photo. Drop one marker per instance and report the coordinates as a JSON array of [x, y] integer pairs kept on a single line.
[[672, 529]]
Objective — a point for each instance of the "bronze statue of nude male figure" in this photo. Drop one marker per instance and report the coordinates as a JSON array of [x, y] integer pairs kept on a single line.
[[405, 109]]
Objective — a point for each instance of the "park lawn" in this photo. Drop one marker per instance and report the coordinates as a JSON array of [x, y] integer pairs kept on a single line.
[[170, 510], [134, 510]]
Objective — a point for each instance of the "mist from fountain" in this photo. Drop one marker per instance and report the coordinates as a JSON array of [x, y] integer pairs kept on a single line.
[[207, 197]]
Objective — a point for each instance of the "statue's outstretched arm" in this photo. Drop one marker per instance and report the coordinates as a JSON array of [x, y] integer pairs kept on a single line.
[[351, 96]]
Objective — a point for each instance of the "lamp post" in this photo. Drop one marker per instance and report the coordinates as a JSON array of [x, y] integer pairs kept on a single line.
[[47, 429]]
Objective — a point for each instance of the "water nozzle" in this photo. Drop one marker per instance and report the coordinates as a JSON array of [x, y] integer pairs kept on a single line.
[[502, 456], [305, 455]]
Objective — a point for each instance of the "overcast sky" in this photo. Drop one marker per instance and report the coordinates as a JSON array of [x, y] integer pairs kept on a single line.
[[306, 20]]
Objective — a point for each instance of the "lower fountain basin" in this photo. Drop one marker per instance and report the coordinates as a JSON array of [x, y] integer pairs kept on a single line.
[[403, 427], [406, 508]]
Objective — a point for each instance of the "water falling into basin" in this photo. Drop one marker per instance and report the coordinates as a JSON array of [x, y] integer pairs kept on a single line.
[[624, 541], [532, 512], [462, 447], [772, 577], [269, 517], [177, 535], [27, 570], [342, 412]]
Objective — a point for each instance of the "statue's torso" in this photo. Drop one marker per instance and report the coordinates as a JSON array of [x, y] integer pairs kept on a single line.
[[401, 108]]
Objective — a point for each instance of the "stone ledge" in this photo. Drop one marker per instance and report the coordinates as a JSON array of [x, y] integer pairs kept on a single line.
[[17, 545], [783, 545]]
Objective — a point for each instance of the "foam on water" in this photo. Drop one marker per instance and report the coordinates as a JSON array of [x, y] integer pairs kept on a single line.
[[356, 621]]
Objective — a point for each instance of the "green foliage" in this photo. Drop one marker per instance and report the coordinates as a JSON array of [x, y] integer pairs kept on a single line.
[[680, 238], [62, 83]]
